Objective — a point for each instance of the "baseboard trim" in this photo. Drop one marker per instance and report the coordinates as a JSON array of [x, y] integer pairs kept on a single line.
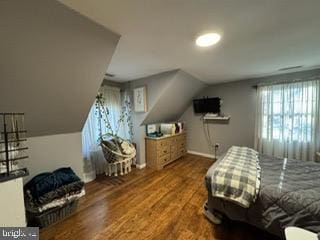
[[140, 166], [89, 177], [201, 154]]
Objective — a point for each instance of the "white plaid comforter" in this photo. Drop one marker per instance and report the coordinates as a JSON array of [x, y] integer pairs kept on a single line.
[[237, 176]]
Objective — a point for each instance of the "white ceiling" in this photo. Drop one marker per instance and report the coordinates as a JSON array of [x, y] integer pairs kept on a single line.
[[258, 36]]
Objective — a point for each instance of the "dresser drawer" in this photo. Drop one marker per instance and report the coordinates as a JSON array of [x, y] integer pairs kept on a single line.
[[174, 148], [181, 138], [181, 145], [163, 143], [164, 159], [182, 151], [174, 140], [179, 153], [175, 155], [163, 150]]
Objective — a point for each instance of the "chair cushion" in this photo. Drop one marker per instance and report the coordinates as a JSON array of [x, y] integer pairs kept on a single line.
[[127, 148], [111, 145]]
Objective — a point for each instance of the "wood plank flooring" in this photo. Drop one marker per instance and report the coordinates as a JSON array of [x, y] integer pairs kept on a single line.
[[148, 204]]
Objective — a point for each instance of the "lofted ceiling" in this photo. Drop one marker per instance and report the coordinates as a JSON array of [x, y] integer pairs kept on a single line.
[[259, 37]]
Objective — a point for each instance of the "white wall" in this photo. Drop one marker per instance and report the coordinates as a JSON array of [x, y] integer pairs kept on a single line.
[[12, 211], [48, 153]]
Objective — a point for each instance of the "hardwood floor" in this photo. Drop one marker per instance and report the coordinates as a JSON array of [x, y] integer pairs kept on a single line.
[[148, 204]]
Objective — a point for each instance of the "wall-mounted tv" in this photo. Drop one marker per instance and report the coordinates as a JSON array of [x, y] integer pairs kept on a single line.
[[207, 105]]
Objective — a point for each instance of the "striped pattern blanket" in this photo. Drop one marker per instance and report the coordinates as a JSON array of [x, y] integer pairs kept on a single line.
[[237, 176]]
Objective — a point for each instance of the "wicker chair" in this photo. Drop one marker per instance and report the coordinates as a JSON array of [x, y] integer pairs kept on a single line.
[[115, 158]]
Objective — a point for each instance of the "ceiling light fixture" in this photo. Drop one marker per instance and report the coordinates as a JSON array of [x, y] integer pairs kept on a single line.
[[208, 39]]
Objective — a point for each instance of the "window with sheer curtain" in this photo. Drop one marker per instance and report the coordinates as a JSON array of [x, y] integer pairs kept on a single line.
[[287, 121], [94, 161]]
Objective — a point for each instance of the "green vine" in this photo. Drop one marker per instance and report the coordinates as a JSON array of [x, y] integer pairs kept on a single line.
[[103, 113]]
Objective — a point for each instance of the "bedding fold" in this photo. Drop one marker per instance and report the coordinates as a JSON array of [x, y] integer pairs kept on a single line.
[[236, 177]]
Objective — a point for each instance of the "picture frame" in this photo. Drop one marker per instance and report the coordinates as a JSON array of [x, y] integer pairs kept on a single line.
[[140, 99]]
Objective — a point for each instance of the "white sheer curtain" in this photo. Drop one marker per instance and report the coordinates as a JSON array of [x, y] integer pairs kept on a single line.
[[288, 120], [94, 162]]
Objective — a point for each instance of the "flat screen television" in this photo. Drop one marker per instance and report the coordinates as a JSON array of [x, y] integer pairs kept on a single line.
[[207, 105]]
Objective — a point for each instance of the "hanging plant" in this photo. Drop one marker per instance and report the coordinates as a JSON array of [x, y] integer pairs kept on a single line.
[[103, 112], [128, 113]]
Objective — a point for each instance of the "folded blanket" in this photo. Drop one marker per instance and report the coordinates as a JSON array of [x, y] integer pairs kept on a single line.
[[35, 208], [72, 188], [48, 182], [237, 176]]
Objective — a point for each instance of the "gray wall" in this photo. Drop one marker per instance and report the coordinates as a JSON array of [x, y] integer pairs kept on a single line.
[[155, 84], [52, 62], [239, 101], [168, 95], [110, 83], [47, 153], [175, 98]]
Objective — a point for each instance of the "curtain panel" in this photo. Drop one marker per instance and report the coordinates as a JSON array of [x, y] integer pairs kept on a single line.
[[288, 120], [94, 162]]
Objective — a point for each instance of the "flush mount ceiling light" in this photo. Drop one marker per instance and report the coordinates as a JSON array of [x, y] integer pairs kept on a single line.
[[208, 39]]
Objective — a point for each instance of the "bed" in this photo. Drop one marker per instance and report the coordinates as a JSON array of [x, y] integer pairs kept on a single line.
[[289, 195]]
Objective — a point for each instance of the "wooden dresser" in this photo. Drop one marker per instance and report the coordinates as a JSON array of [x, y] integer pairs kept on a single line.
[[162, 151]]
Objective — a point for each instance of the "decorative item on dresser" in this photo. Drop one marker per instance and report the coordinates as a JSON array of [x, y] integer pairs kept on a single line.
[[164, 150]]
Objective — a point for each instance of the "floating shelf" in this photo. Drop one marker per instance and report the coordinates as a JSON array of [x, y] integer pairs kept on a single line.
[[216, 118]]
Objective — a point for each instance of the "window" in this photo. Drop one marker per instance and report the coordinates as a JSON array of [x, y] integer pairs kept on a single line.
[[288, 119], [288, 112], [92, 154]]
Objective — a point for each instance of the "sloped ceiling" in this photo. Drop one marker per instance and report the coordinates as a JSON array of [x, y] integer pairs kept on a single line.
[[52, 62], [156, 85], [258, 36], [175, 98], [168, 96]]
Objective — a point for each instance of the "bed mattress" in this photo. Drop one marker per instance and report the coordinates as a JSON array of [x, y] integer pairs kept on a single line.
[[289, 196]]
